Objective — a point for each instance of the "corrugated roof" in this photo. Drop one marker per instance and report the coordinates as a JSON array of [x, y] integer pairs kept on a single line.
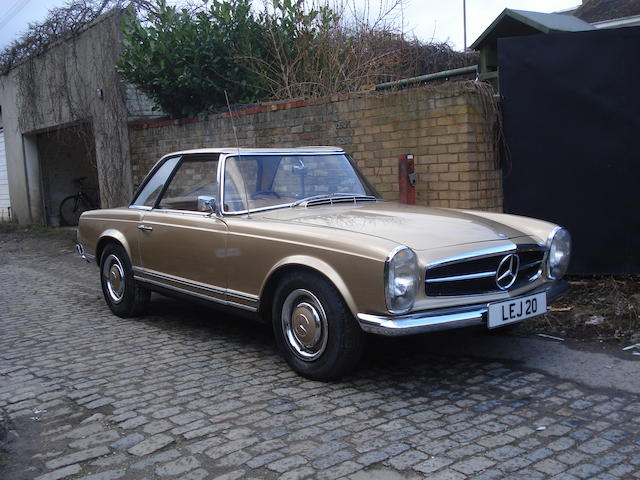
[[521, 22]]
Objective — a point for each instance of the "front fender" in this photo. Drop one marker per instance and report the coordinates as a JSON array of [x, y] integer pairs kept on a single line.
[[320, 266]]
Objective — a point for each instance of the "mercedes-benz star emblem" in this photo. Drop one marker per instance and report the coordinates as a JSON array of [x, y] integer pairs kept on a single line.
[[507, 271]]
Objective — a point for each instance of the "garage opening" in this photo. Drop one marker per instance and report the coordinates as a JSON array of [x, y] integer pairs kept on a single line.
[[69, 173]]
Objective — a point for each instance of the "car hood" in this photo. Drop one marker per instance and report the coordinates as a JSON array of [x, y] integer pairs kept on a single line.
[[420, 228]]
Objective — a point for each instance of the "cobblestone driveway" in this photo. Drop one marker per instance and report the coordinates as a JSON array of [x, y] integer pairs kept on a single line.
[[191, 393]]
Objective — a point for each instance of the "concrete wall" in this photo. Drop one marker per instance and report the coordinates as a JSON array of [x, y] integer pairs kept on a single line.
[[73, 82], [5, 203], [442, 125]]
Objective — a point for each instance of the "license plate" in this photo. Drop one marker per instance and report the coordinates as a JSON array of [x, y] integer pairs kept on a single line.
[[516, 310]]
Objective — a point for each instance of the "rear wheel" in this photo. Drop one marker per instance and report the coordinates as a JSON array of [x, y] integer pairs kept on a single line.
[[123, 295], [314, 329]]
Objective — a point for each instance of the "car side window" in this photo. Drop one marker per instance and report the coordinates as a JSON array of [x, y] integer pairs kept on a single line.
[[196, 177], [148, 195]]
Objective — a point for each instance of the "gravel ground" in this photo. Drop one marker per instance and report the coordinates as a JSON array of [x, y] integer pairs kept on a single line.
[[594, 308]]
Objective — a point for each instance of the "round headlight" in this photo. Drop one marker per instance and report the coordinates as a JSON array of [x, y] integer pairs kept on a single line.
[[401, 279], [559, 253]]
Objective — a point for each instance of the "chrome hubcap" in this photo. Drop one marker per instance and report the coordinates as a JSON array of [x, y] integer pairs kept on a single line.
[[304, 324], [113, 274]]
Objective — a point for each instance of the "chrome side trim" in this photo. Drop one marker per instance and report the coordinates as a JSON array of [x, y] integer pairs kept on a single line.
[[242, 296], [160, 281], [443, 318], [194, 294], [186, 283]]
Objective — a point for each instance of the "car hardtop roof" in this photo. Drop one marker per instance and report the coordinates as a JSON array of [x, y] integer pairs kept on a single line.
[[257, 151]]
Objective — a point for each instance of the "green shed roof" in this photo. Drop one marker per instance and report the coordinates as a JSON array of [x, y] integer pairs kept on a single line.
[[513, 23]]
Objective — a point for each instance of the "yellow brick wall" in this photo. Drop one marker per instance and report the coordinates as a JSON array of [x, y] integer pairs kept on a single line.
[[443, 126]]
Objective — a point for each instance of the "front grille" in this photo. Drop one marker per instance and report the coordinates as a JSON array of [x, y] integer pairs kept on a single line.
[[477, 275]]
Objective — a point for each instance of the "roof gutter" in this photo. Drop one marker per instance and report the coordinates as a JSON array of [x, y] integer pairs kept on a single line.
[[427, 78]]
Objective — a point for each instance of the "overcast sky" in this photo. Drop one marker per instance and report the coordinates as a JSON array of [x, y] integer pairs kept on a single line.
[[440, 20]]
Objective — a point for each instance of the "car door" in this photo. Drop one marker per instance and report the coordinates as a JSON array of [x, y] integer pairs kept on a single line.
[[182, 247]]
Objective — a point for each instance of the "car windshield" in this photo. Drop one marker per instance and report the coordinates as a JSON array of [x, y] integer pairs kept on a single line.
[[254, 182]]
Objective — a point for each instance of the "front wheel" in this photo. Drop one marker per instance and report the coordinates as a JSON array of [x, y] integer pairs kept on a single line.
[[314, 329], [123, 295]]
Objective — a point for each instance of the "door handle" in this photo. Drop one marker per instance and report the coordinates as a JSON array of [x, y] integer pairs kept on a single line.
[[145, 228]]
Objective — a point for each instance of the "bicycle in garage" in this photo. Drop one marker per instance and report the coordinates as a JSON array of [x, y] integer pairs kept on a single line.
[[72, 206]]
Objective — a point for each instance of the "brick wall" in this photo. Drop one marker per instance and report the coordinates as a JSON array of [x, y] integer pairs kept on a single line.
[[442, 125]]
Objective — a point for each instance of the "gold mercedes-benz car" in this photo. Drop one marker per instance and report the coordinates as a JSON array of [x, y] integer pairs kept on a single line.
[[298, 237]]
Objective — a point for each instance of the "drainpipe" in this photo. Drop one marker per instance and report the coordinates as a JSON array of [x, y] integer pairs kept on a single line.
[[426, 78]]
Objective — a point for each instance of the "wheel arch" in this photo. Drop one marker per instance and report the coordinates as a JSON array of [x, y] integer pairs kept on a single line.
[[111, 236], [305, 264]]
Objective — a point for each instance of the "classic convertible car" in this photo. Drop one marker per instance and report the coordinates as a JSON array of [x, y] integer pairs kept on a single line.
[[300, 239]]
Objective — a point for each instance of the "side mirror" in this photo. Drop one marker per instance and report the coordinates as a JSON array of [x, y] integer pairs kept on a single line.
[[207, 204]]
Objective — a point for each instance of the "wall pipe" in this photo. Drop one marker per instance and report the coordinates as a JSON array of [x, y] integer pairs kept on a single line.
[[426, 78]]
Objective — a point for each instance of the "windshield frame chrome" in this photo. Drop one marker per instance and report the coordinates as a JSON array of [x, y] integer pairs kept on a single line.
[[222, 167]]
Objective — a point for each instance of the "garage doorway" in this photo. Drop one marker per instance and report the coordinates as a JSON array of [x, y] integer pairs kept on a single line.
[[69, 173]]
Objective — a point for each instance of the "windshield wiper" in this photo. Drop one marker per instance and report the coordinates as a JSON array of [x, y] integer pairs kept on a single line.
[[331, 196]]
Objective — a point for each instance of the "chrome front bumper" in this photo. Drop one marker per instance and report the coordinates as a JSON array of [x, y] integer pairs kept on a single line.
[[442, 318]]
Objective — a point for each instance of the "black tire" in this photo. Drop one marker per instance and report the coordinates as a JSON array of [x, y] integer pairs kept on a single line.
[[302, 303], [69, 214], [122, 293]]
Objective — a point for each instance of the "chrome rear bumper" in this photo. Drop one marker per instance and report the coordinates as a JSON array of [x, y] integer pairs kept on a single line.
[[443, 318], [84, 255]]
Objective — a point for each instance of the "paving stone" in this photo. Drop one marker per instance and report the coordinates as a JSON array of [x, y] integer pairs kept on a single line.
[[298, 474], [432, 464], [108, 475], [127, 442], [157, 426], [109, 461], [230, 447], [285, 464], [134, 422], [231, 475], [151, 445], [156, 458], [178, 467], [407, 459], [234, 459], [473, 465], [339, 471], [262, 460], [76, 457], [95, 439], [550, 466], [60, 473], [332, 459]]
